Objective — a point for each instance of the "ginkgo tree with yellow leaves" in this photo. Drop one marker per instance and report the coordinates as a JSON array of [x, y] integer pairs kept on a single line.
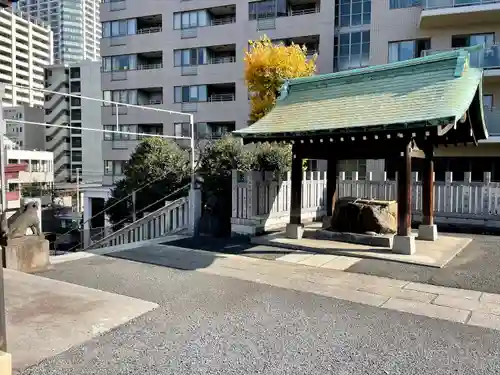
[[268, 66]]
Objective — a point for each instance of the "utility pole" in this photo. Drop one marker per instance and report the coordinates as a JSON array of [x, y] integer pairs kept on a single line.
[[78, 190], [3, 156]]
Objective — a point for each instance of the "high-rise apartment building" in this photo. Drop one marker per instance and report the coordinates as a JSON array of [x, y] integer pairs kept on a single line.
[[25, 48], [74, 149], [75, 24], [188, 56]]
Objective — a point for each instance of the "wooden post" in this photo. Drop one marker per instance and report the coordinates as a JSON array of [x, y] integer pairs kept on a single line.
[[428, 190], [331, 186], [296, 187], [404, 193]]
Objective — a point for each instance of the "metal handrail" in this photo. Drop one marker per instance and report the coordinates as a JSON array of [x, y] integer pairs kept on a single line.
[[150, 30], [149, 66], [222, 60], [138, 212], [114, 204], [221, 98], [303, 12], [440, 4], [222, 21]]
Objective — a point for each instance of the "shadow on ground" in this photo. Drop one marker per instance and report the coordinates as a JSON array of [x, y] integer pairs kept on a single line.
[[476, 267], [233, 245], [160, 256]]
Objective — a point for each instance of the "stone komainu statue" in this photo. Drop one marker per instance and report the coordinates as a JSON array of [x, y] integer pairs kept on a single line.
[[16, 226]]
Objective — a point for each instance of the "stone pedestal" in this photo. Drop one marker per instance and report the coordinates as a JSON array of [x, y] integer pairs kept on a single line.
[[404, 245], [295, 231], [27, 254], [5, 364], [428, 232]]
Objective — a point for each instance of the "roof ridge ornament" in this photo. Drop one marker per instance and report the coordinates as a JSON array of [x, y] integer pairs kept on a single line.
[[284, 90]]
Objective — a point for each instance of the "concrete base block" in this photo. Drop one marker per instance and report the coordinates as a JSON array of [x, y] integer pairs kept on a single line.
[[356, 238], [428, 232], [326, 222], [294, 231], [27, 254], [404, 245], [5, 364]]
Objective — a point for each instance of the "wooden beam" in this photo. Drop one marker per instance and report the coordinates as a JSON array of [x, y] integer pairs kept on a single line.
[[428, 189], [296, 186], [331, 185], [404, 193]]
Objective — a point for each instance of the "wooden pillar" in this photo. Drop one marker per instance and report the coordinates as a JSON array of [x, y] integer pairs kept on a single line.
[[428, 190], [331, 186], [404, 193], [296, 186]]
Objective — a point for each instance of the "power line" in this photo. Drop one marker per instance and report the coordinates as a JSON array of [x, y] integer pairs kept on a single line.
[[98, 130], [104, 101]]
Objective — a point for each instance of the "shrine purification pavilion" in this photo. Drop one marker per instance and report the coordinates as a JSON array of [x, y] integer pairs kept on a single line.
[[396, 111]]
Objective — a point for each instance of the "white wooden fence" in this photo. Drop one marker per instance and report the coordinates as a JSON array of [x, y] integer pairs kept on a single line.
[[261, 200]]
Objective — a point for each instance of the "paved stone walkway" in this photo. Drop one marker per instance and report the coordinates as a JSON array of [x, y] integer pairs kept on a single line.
[[458, 305]]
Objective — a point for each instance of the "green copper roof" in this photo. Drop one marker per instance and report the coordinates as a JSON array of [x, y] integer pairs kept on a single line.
[[426, 91]]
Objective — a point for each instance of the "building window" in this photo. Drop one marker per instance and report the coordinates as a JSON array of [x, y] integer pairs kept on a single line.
[[108, 136], [75, 102], [120, 96], [108, 167], [76, 142], [460, 41], [351, 13], [352, 50], [182, 129], [488, 102], [187, 20], [76, 156], [76, 114], [190, 94], [119, 28], [407, 50], [190, 57], [75, 86], [399, 4], [74, 73], [117, 63]]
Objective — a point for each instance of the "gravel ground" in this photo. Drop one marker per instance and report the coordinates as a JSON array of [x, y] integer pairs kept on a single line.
[[214, 325], [477, 267]]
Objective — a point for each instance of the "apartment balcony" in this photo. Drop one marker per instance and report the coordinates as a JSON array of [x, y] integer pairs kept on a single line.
[[284, 15], [217, 63], [149, 97], [487, 58], [143, 73], [214, 130], [220, 104], [217, 21], [147, 32], [460, 13]]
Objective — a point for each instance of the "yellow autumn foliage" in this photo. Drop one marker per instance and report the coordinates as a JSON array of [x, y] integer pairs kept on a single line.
[[267, 66]]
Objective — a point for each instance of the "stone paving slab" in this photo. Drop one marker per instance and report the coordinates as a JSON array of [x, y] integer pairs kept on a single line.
[[420, 299], [46, 317], [428, 253], [457, 305]]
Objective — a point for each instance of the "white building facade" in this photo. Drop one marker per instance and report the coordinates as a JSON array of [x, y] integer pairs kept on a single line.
[[75, 24], [25, 48], [76, 151]]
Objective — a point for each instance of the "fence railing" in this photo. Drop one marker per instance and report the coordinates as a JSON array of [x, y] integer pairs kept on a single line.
[[221, 98], [171, 218], [264, 195], [438, 4]]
